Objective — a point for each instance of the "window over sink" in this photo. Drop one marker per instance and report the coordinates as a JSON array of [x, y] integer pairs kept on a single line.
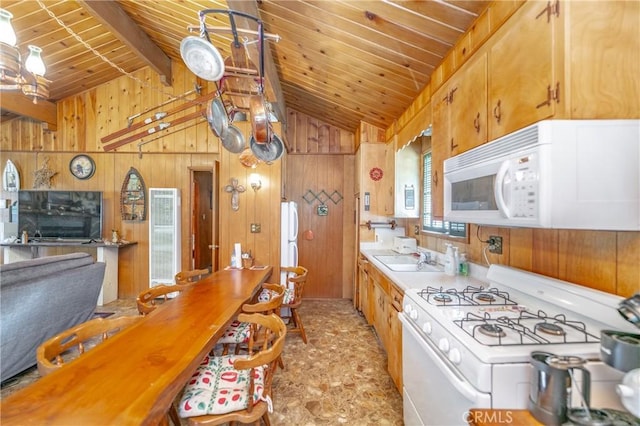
[[429, 223]]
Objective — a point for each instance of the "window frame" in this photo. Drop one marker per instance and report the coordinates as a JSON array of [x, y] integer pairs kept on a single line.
[[435, 227]]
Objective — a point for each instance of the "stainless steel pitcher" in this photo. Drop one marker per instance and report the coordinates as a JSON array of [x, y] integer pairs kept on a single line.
[[552, 385]]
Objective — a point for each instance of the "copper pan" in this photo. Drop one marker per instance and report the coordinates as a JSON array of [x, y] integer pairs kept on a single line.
[[259, 119]]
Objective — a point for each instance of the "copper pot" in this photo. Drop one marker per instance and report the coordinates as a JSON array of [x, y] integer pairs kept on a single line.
[[259, 119]]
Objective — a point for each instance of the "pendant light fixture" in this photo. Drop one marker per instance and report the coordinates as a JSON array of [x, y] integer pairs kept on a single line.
[[28, 78]]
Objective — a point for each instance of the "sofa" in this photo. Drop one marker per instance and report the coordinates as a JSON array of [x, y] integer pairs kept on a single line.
[[41, 297]]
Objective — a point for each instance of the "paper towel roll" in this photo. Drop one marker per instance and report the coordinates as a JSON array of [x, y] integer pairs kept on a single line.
[[237, 253]]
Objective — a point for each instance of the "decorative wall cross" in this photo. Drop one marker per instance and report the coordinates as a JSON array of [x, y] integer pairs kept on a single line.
[[234, 189]]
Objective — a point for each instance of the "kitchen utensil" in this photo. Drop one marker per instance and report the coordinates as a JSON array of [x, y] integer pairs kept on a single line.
[[233, 140], [552, 382], [630, 309], [267, 152], [259, 121], [202, 58], [629, 391], [620, 350], [217, 117]]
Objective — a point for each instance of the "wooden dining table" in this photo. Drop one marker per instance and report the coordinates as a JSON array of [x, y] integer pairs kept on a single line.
[[134, 376]]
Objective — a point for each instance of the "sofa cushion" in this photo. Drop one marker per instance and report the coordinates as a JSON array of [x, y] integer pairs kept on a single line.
[[26, 270]]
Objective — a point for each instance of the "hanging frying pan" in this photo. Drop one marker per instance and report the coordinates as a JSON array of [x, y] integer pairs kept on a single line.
[[217, 117], [267, 152], [202, 58], [233, 141]]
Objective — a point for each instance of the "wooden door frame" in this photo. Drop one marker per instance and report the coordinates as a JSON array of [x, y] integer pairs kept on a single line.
[[215, 213]]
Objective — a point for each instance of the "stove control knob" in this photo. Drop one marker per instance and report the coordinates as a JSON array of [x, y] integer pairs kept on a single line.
[[407, 308], [443, 344], [414, 314], [426, 327], [454, 356]]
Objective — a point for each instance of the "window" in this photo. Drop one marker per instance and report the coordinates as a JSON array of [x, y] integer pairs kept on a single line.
[[429, 224]]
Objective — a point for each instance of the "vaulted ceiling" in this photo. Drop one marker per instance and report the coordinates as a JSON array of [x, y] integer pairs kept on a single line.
[[340, 61]]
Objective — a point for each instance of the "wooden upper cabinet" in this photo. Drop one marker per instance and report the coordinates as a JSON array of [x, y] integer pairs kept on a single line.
[[440, 148], [376, 180], [468, 106], [522, 83]]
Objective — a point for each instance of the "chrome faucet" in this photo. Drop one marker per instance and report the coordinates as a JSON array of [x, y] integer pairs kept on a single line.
[[425, 258]]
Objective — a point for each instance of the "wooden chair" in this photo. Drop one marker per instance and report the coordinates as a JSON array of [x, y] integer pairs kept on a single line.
[[238, 332], [188, 277], [50, 355], [147, 300], [296, 278], [236, 388]]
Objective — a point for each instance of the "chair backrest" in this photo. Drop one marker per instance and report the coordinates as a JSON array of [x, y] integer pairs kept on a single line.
[[296, 276], [50, 354], [146, 301], [188, 277], [276, 295], [265, 346]]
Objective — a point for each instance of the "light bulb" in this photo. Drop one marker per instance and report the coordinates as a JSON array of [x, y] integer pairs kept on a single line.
[[7, 34], [34, 63]]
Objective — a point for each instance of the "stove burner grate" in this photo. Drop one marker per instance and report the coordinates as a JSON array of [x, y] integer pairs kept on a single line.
[[442, 297], [485, 297]]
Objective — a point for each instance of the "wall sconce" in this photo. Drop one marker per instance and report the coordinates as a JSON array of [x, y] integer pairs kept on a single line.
[[254, 181], [13, 75]]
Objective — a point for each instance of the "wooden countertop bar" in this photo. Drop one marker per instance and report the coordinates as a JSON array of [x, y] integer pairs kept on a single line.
[[132, 378]]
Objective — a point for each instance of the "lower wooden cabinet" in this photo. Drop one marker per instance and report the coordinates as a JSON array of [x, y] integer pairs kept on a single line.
[[385, 302]]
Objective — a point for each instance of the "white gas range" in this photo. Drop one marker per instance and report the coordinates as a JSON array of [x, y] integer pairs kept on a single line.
[[470, 346]]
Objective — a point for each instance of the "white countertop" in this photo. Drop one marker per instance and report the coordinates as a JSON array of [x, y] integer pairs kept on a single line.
[[421, 279]]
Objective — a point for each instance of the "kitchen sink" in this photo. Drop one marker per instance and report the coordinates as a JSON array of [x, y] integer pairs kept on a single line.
[[405, 263]]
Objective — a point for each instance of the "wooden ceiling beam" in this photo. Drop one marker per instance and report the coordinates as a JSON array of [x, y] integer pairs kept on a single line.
[[43, 111], [270, 71], [111, 15]]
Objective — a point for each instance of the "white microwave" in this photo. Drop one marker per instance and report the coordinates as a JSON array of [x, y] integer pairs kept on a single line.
[[571, 174]]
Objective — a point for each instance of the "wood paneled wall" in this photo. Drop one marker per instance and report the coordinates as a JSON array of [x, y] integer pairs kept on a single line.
[[326, 243], [308, 135], [165, 161]]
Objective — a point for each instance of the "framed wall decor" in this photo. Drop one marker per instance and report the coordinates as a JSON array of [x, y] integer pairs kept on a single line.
[[82, 166], [10, 178], [133, 200]]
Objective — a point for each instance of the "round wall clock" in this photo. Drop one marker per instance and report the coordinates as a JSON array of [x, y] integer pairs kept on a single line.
[[82, 166]]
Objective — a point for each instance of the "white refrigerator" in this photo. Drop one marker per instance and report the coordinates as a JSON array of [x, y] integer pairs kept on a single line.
[[288, 236]]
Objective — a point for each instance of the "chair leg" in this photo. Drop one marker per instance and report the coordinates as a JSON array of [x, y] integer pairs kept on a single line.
[[281, 362], [265, 418], [173, 414], [298, 324]]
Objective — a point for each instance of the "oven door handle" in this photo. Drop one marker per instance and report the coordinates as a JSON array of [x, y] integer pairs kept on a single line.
[[464, 387]]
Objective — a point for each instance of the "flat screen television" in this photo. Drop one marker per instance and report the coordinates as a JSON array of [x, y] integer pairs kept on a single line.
[[55, 215]]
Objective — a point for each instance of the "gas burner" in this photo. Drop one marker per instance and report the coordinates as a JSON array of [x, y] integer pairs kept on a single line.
[[485, 297], [442, 297], [549, 328], [491, 330]]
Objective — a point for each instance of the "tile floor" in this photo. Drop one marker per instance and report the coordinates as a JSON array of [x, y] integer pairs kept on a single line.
[[339, 377]]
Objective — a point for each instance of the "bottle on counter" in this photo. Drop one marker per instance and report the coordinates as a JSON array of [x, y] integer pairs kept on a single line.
[[25, 237], [449, 267], [464, 265]]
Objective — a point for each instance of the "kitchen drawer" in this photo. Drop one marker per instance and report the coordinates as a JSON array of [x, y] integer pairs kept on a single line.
[[396, 297], [380, 278]]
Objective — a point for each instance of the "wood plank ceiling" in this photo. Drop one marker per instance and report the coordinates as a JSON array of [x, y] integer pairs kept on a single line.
[[340, 61]]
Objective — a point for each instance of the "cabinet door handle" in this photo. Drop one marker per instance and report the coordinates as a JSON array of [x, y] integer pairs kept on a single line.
[[497, 113], [435, 178], [453, 146], [476, 123]]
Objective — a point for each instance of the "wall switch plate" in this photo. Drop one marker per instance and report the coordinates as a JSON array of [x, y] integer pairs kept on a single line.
[[495, 244], [255, 228]]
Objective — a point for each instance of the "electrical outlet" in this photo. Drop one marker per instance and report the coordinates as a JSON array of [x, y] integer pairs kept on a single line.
[[495, 244], [255, 228]]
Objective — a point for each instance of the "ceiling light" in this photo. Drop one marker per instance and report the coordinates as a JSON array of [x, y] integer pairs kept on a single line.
[[13, 75]]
